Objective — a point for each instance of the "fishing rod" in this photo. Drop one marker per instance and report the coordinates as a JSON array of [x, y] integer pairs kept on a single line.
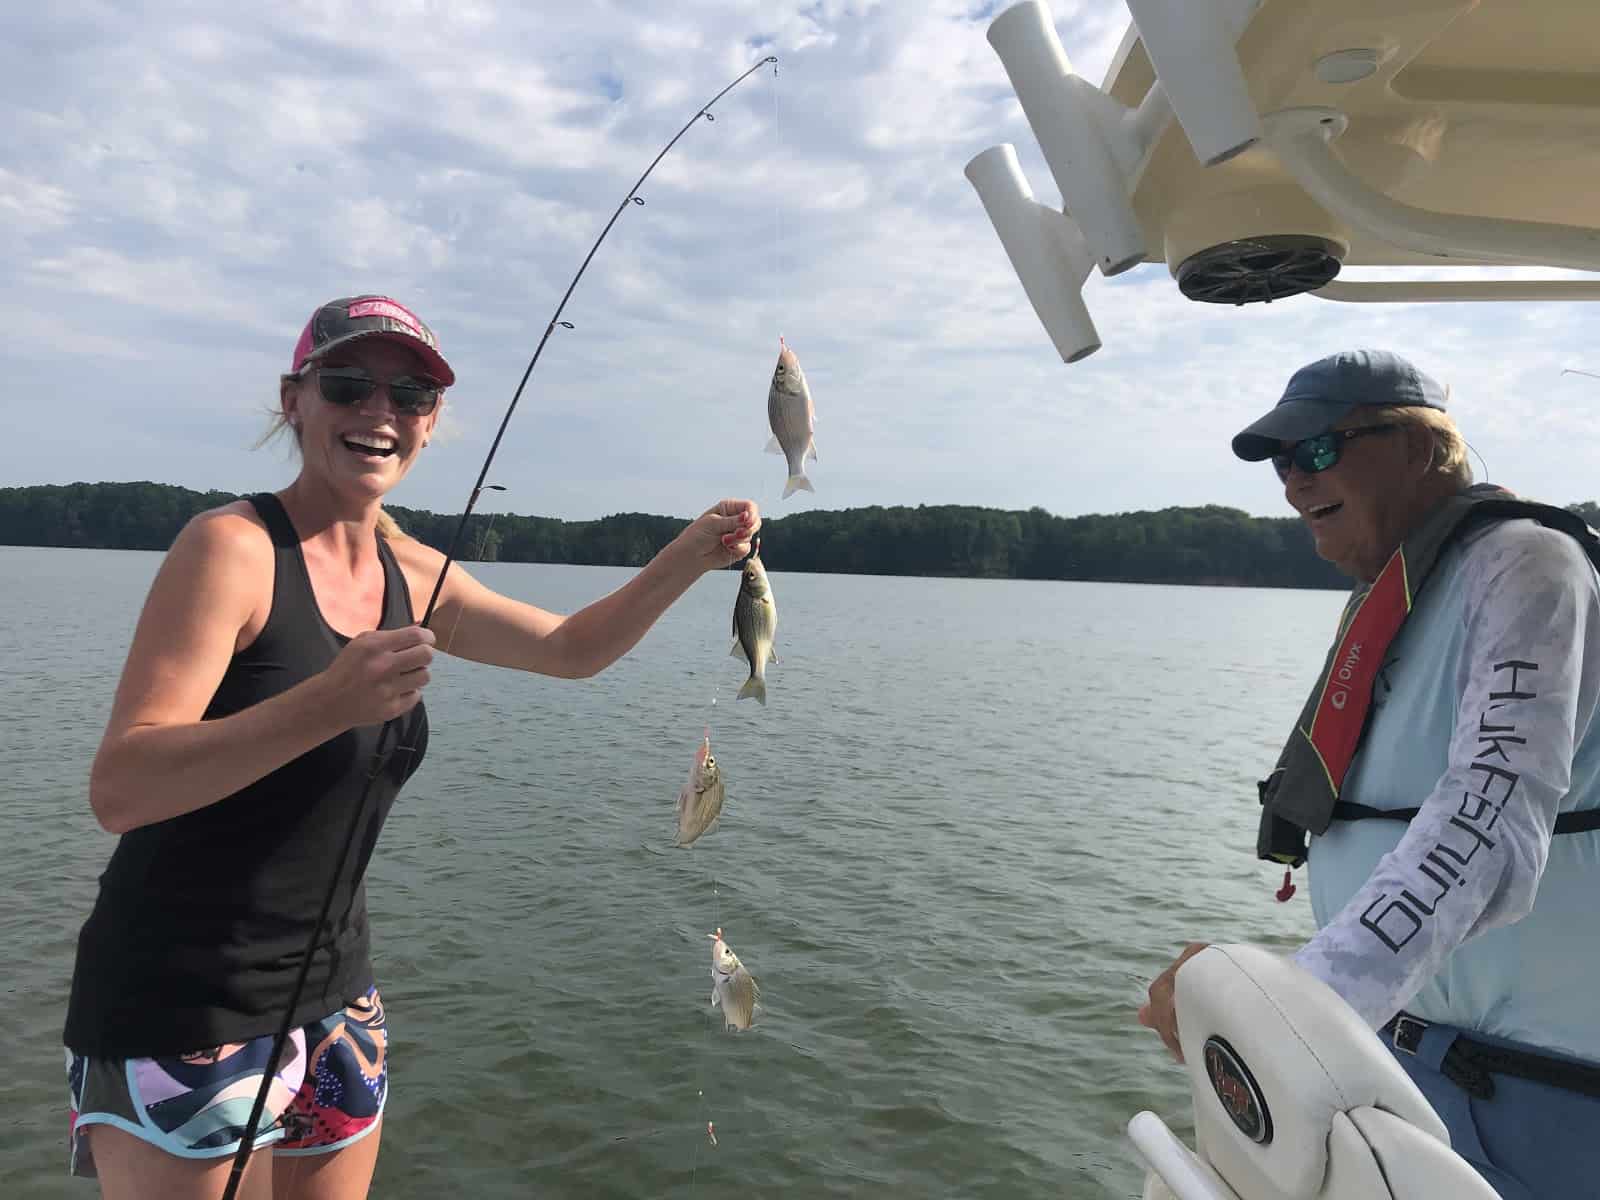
[[380, 757]]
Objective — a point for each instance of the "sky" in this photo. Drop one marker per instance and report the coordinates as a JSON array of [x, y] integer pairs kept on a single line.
[[181, 184]]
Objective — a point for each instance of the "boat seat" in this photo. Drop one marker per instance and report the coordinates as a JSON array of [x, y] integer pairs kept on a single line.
[[1295, 1098]]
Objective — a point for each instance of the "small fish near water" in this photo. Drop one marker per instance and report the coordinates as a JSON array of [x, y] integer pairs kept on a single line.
[[700, 801], [755, 624], [732, 987], [792, 418]]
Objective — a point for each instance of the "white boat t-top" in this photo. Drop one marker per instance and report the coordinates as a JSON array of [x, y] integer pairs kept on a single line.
[[1259, 147]]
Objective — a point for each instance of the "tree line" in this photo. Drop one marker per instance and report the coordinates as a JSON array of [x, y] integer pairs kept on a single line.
[[1204, 545]]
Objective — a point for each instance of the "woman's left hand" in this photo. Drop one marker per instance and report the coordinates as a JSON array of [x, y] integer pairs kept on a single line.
[[721, 535]]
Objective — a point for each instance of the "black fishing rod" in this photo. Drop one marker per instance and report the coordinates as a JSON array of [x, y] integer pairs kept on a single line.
[[380, 757]]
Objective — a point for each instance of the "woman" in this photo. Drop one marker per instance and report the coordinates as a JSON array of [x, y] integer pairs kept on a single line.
[[279, 638], [1446, 769]]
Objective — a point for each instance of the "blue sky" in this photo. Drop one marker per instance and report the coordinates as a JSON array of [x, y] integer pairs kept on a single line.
[[181, 184]]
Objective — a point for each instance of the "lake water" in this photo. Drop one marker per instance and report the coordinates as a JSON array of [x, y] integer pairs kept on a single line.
[[975, 818]]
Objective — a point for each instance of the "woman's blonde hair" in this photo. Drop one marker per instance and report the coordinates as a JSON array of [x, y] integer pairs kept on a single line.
[[1449, 447], [278, 424]]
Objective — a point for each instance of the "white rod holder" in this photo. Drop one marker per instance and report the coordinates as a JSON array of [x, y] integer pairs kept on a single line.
[[1190, 44], [1045, 248], [1072, 134]]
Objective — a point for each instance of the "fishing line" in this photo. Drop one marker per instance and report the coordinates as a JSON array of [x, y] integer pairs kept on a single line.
[[705, 1040], [1481, 463], [483, 543], [777, 197], [381, 754], [706, 1032]]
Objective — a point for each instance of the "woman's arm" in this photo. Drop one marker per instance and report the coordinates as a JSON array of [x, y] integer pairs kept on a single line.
[[158, 759], [478, 623]]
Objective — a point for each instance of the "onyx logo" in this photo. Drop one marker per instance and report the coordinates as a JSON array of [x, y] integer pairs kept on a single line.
[[1340, 683], [1236, 1088]]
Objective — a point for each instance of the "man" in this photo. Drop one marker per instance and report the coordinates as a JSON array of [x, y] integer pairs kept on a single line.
[[1446, 768]]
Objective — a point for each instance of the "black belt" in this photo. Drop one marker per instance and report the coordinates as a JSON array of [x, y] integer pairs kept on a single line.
[[1582, 821], [1471, 1065]]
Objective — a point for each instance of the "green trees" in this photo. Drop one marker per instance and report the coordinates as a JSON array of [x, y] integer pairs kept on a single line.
[[1205, 545], [113, 516]]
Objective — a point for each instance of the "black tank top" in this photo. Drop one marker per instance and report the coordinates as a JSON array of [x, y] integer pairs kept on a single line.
[[202, 920]]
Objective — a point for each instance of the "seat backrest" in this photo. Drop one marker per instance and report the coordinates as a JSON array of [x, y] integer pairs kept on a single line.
[[1295, 1098]]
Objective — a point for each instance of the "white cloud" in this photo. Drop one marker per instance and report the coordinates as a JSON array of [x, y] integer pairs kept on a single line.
[[31, 206]]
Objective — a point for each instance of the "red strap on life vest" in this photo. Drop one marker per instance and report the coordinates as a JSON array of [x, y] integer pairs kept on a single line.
[[1347, 692]]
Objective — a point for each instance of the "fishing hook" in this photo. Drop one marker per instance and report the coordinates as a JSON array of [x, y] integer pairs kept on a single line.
[[380, 755]]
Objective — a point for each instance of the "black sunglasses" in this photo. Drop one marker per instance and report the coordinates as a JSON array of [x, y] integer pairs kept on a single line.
[[348, 386], [1318, 453]]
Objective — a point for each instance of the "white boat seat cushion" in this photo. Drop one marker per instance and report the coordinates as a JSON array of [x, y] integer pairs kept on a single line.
[[1296, 1099]]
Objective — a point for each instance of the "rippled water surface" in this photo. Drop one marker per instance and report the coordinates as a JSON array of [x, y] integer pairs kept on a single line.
[[975, 817]]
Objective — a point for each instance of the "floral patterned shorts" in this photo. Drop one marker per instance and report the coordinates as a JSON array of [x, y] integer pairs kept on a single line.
[[329, 1091]]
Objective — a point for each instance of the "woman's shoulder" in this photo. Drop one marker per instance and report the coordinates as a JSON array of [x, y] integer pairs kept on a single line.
[[421, 565], [233, 532], [411, 553]]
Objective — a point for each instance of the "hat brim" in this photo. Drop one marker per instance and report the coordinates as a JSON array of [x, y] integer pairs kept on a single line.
[[437, 367], [1288, 422]]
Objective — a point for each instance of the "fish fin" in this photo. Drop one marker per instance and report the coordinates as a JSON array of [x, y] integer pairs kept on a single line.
[[772, 655], [797, 483], [811, 451], [772, 445], [754, 686], [737, 651]]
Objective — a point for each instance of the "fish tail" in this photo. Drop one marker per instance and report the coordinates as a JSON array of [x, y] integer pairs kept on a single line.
[[754, 686], [797, 483]]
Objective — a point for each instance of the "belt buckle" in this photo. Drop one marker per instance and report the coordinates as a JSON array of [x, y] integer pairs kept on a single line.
[[1408, 1033]]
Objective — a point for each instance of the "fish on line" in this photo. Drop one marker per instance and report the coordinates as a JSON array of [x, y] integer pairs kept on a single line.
[[755, 624], [700, 800], [733, 988], [792, 418]]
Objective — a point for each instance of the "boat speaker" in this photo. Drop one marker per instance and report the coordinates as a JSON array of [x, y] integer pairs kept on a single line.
[[1260, 269]]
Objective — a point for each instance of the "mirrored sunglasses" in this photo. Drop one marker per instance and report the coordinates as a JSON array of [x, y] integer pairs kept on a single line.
[[1314, 454]]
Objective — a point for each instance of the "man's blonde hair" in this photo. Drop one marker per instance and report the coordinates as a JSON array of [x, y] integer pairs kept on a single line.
[[1449, 447]]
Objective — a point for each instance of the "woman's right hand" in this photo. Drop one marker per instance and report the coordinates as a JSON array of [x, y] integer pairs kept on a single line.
[[379, 675], [160, 757]]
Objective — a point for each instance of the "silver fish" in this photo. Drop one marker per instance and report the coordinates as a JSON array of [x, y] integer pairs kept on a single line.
[[732, 987], [700, 801], [755, 624], [792, 418]]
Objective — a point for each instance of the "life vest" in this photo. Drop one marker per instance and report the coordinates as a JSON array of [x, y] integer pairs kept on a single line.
[[1301, 795]]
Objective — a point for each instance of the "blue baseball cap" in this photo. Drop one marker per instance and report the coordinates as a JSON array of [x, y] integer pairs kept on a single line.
[[1320, 394]]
